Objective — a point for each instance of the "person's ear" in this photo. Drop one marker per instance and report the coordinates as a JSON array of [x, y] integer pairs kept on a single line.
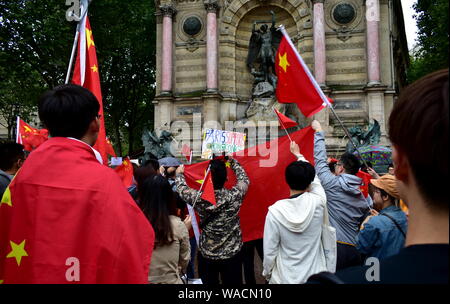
[[95, 125], [401, 164]]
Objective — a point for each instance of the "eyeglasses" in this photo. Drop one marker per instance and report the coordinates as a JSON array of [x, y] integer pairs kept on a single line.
[[339, 164], [99, 116]]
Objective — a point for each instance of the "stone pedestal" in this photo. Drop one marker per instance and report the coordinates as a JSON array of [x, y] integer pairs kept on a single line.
[[375, 103], [211, 110]]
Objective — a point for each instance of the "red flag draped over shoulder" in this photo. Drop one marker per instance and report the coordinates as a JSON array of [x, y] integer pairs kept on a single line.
[[86, 74], [267, 184], [295, 82], [67, 219]]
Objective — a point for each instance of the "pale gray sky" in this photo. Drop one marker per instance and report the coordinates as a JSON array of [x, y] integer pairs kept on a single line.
[[410, 22]]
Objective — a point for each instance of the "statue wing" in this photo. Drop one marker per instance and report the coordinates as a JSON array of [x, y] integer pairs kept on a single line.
[[372, 136], [276, 37], [253, 49]]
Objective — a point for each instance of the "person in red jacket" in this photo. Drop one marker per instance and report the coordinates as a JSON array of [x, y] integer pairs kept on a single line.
[[68, 218]]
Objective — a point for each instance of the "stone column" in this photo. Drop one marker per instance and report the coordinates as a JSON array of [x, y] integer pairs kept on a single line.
[[167, 11], [373, 44], [320, 60], [212, 8]]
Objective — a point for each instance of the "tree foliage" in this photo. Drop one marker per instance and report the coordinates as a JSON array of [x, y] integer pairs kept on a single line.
[[36, 42], [431, 51]]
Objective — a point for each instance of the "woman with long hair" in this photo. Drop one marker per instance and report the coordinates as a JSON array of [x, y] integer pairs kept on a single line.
[[172, 251]]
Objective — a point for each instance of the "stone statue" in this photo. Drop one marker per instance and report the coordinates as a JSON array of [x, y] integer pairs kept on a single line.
[[261, 53], [360, 138], [155, 146]]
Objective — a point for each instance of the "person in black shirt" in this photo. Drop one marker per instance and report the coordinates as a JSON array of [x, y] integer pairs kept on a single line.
[[419, 132]]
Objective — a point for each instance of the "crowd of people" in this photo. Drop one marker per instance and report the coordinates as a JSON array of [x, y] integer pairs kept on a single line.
[[325, 231]]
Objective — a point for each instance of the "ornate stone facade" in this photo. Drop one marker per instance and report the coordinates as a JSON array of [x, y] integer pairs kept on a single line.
[[356, 49]]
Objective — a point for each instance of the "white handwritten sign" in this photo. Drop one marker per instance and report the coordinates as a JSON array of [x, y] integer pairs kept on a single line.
[[219, 141]]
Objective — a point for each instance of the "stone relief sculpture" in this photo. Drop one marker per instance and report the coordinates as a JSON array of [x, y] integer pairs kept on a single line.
[[157, 147], [263, 46], [364, 138]]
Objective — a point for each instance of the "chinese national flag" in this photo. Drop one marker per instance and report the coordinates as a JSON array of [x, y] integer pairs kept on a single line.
[[66, 219], [208, 189], [295, 82], [285, 121], [187, 152], [125, 172], [29, 137], [267, 184], [365, 182], [109, 148], [86, 74]]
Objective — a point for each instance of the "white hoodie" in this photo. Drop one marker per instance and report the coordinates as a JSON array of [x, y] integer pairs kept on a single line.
[[293, 248]]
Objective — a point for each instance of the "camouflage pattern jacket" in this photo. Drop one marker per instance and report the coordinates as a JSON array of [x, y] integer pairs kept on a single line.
[[221, 238]]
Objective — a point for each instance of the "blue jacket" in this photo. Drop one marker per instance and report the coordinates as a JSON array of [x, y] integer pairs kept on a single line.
[[347, 206], [380, 237]]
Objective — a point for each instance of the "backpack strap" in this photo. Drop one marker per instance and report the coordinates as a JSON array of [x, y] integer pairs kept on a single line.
[[396, 224]]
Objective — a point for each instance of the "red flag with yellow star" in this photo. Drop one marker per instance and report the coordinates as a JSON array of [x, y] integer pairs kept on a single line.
[[295, 82], [29, 137], [67, 219], [208, 189], [125, 172], [261, 193], [86, 74]]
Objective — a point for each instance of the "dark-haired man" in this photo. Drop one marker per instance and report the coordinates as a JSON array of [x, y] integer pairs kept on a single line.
[[418, 130], [69, 219], [293, 248], [221, 237], [347, 206], [12, 157]]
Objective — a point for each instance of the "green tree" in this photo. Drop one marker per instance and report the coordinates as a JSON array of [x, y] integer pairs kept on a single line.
[[36, 42], [124, 34], [431, 51]]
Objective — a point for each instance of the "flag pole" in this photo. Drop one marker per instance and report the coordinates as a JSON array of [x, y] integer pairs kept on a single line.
[[348, 135], [75, 42], [201, 187], [17, 129], [273, 108]]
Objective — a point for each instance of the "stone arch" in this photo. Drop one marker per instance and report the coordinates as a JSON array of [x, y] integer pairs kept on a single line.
[[235, 33]]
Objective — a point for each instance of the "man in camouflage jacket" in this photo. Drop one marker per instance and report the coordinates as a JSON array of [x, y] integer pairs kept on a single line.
[[221, 237]]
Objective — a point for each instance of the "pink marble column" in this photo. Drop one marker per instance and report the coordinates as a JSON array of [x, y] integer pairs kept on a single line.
[[166, 67], [373, 45], [212, 8], [320, 59]]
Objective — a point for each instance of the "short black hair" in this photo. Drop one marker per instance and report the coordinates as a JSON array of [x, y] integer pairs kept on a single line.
[[153, 162], [10, 152], [218, 173], [350, 162], [67, 110], [299, 175], [419, 128]]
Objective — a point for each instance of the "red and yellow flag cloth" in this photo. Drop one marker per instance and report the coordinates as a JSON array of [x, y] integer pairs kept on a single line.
[[110, 148], [295, 82], [86, 74], [29, 137], [66, 217], [285, 121], [267, 184], [125, 172], [208, 189], [365, 182]]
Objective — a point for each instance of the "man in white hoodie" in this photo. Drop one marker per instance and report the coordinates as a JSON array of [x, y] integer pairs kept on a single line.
[[293, 249]]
